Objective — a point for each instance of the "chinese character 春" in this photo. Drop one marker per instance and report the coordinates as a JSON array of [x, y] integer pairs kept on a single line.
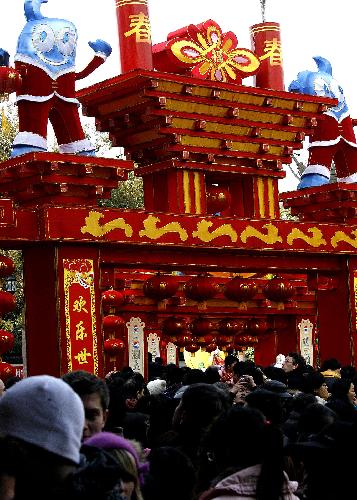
[[79, 305], [140, 24], [82, 356], [80, 331], [272, 51]]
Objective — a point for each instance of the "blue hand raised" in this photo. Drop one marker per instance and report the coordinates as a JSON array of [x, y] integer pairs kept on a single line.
[[101, 46]]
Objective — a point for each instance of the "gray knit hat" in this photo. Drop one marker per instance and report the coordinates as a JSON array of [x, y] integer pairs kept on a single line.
[[44, 411]]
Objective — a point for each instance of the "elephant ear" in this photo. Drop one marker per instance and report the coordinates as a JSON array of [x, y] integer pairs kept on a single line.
[[323, 65], [33, 9]]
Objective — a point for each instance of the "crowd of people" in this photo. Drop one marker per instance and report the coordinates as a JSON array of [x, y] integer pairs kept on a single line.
[[286, 431]]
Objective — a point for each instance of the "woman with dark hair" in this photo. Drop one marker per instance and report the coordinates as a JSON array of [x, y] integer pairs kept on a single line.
[[343, 400], [315, 383], [244, 457]]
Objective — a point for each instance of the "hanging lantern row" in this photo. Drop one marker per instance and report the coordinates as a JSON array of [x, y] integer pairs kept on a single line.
[[174, 326], [225, 343], [203, 332], [204, 287], [7, 305]]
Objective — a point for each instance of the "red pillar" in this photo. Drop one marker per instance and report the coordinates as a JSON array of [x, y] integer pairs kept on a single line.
[[134, 34], [334, 308], [41, 315], [62, 310]]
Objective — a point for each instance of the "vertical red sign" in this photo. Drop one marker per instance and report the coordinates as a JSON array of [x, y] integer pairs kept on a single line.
[[266, 44], [134, 34], [81, 335]]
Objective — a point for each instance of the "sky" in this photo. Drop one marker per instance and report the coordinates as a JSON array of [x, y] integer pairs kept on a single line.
[[308, 27]]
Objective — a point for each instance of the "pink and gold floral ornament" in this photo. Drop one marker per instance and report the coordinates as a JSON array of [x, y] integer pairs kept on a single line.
[[207, 53]]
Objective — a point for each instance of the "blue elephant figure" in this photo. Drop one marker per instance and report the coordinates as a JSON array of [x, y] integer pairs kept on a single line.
[[45, 58], [334, 138]]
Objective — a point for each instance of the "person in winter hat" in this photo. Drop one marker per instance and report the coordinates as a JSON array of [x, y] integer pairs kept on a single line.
[[132, 470], [41, 424], [156, 387]]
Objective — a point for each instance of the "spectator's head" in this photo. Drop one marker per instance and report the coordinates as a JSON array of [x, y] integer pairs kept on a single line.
[[314, 383], [269, 403], [173, 374], [193, 376], [199, 406], [2, 387], [127, 457], [331, 364], [156, 387], [172, 475], [348, 372], [94, 394], [229, 361], [315, 418], [275, 373], [44, 412], [212, 375], [343, 389], [294, 361]]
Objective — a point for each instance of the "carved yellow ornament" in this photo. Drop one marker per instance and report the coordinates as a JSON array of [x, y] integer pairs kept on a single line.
[[270, 237], [341, 236], [315, 240], [154, 232], [203, 234], [94, 228]]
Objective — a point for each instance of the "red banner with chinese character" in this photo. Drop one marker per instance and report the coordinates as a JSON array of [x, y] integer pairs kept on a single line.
[[266, 44], [81, 335], [134, 34]]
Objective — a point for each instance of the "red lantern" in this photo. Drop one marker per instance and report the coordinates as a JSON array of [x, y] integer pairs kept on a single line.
[[201, 326], [211, 347], [6, 341], [10, 80], [224, 340], [245, 341], [6, 371], [182, 340], [174, 326], [192, 347], [161, 286], [205, 340], [200, 288], [7, 302], [113, 347], [257, 326], [240, 289], [113, 324], [112, 299], [279, 290], [218, 199], [228, 347], [7, 266], [231, 326]]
